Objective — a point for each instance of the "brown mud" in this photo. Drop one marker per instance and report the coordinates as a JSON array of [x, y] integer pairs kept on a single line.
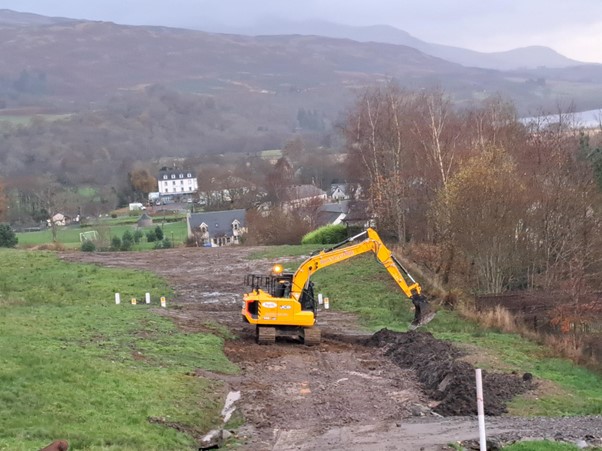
[[354, 391]]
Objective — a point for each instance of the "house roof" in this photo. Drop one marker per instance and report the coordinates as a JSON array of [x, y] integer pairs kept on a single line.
[[218, 222], [329, 213], [304, 192], [358, 211], [336, 207], [177, 173]]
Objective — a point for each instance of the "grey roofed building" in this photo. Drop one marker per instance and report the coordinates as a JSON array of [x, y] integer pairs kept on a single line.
[[359, 216], [217, 228], [144, 221], [333, 213]]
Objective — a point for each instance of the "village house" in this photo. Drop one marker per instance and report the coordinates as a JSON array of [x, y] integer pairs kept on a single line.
[[339, 191], [217, 228], [333, 213], [174, 183], [300, 195]]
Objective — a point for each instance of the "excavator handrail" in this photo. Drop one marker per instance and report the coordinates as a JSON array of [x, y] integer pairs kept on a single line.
[[339, 252]]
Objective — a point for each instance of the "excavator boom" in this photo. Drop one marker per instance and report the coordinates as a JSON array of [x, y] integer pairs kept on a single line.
[[285, 302]]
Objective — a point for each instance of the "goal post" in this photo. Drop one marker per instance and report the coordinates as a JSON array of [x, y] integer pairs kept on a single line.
[[90, 235]]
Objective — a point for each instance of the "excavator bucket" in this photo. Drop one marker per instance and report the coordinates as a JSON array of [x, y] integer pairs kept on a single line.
[[423, 314]]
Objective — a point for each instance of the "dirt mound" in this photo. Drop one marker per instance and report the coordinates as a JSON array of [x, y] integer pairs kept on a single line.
[[447, 380]]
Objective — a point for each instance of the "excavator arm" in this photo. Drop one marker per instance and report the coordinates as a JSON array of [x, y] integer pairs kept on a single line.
[[345, 250]]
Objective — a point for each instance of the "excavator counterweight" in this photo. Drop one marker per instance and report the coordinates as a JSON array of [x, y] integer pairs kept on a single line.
[[283, 304]]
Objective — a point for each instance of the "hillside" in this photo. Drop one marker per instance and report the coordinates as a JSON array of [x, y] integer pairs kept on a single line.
[[521, 58], [65, 64]]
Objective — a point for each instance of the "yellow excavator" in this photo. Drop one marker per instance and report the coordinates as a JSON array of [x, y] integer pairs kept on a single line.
[[283, 304]]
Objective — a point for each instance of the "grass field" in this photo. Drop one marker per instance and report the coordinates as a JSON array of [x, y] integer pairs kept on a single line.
[[69, 235], [544, 445], [103, 376], [363, 286]]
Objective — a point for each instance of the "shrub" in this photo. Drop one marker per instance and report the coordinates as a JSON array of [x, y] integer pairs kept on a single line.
[[138, 236], [88, 246], [115, 243], [151, 236], [159, 233], [7, 236], [127, 241], [165, 244], [330, 234]]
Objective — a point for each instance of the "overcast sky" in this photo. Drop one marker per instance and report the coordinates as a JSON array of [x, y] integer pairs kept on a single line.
[[572, 27]]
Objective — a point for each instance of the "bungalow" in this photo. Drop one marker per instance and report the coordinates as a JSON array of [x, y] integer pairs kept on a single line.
[[217, 228]]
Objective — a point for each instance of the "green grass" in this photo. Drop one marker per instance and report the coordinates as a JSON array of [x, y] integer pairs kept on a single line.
[[77, 366], [69, 235], [274, 252], [363, 286], [543, 445]]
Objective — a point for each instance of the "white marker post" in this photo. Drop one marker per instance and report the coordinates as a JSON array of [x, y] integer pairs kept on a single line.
[[133, 301], [326, 303], [148, 298], [163, 302], [481, 410], [117, 299]]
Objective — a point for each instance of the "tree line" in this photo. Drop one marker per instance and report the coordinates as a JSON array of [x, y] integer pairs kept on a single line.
[[493, 203]]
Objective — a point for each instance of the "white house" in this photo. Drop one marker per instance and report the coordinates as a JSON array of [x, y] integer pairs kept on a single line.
[[338, 191], [176, 182]]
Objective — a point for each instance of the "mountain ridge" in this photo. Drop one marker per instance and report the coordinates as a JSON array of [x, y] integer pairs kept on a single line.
[[528, 57]]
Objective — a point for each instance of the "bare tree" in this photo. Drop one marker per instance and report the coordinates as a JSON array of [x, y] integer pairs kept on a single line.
[[377, 135]]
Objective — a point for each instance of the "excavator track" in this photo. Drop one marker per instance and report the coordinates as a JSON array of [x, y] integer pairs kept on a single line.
[[266, 335], [311, 336]]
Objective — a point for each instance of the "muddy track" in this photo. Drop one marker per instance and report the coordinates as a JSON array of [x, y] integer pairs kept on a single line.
[[347, 393]]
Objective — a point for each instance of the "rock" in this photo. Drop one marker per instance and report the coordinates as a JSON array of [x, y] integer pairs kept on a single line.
[[212, 440]]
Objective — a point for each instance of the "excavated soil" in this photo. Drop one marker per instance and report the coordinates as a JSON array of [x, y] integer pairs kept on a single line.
[[355, 391], [447, 380]]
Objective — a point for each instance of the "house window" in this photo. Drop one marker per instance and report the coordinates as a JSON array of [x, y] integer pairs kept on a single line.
[[181, 176], [181, 182], [173, 176], [235, 225], [164, 177], [204, 228], [189, 175], [173, 182]]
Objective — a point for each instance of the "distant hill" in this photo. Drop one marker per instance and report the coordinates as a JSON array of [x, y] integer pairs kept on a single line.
[[522, 58], [13, 18], [66, 64]]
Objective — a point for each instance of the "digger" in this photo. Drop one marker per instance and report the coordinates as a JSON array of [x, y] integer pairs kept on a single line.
[[283, 304]]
